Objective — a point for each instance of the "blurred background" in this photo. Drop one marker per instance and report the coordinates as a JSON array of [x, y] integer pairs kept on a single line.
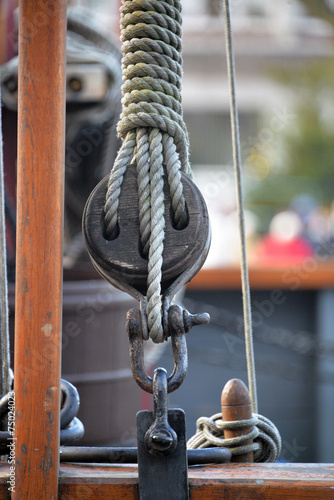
[[285, 91]]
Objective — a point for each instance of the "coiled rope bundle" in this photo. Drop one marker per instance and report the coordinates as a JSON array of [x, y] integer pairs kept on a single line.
[[153, 132], [267, 440]]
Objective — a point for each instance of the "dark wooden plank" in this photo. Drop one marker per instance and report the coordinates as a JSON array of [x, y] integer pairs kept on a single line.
[[85, 482], [98, 491], [38, 312], [263, 482], [231, 481]]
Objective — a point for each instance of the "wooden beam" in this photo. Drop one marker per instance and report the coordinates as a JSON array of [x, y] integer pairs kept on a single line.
[[263, 482], [38, 311], [232, 481], [311, 275]]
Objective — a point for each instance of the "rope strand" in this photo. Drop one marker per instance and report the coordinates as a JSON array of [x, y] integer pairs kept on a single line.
[[237, 165], [144, 194], [154, 133], [154, 303], [6, 379], [210, 431]]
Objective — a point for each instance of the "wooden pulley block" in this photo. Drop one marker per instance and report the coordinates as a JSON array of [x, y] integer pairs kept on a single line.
[[121, 260]]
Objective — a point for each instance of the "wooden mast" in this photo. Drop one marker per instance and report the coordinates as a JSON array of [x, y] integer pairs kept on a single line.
[[38, 313]]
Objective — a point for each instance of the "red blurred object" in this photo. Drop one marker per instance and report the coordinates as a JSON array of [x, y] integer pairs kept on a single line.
[[275, 252]]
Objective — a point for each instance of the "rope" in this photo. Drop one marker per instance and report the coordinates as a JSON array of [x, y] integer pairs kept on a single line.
[[210, 431], [156, 237], [267, 440], [237, 166], [153, 132], [6, 379]]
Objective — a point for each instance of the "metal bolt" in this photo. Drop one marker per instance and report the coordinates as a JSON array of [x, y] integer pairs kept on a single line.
[[191, 320]]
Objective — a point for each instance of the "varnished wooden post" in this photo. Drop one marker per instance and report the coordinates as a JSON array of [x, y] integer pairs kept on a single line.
[[236, 405], [38, 312]]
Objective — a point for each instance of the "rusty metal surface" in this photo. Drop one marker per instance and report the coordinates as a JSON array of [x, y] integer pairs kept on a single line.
[[179, 347], [180, 322], [160, 438]]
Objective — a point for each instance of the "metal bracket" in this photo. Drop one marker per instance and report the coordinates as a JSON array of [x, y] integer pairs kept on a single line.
[[162, 447], [162, 477]]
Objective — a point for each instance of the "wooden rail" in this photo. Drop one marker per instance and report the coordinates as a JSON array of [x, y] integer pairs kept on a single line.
[[232, 481], [310, 275], [38, 312]]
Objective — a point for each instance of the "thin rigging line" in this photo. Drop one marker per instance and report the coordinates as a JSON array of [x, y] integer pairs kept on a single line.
[[4, 332], [241, 213]]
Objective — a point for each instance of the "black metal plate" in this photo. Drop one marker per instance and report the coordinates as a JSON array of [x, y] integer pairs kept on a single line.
[[163, 477]]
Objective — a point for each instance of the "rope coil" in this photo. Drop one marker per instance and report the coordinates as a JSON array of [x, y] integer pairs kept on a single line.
[[153, 132], [267, 440]]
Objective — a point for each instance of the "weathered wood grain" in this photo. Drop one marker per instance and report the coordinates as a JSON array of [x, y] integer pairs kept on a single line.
[[38, 312], [231, 482]]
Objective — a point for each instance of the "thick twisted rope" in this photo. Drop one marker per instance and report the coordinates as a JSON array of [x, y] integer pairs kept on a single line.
[[153, 132], [267, 440]]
